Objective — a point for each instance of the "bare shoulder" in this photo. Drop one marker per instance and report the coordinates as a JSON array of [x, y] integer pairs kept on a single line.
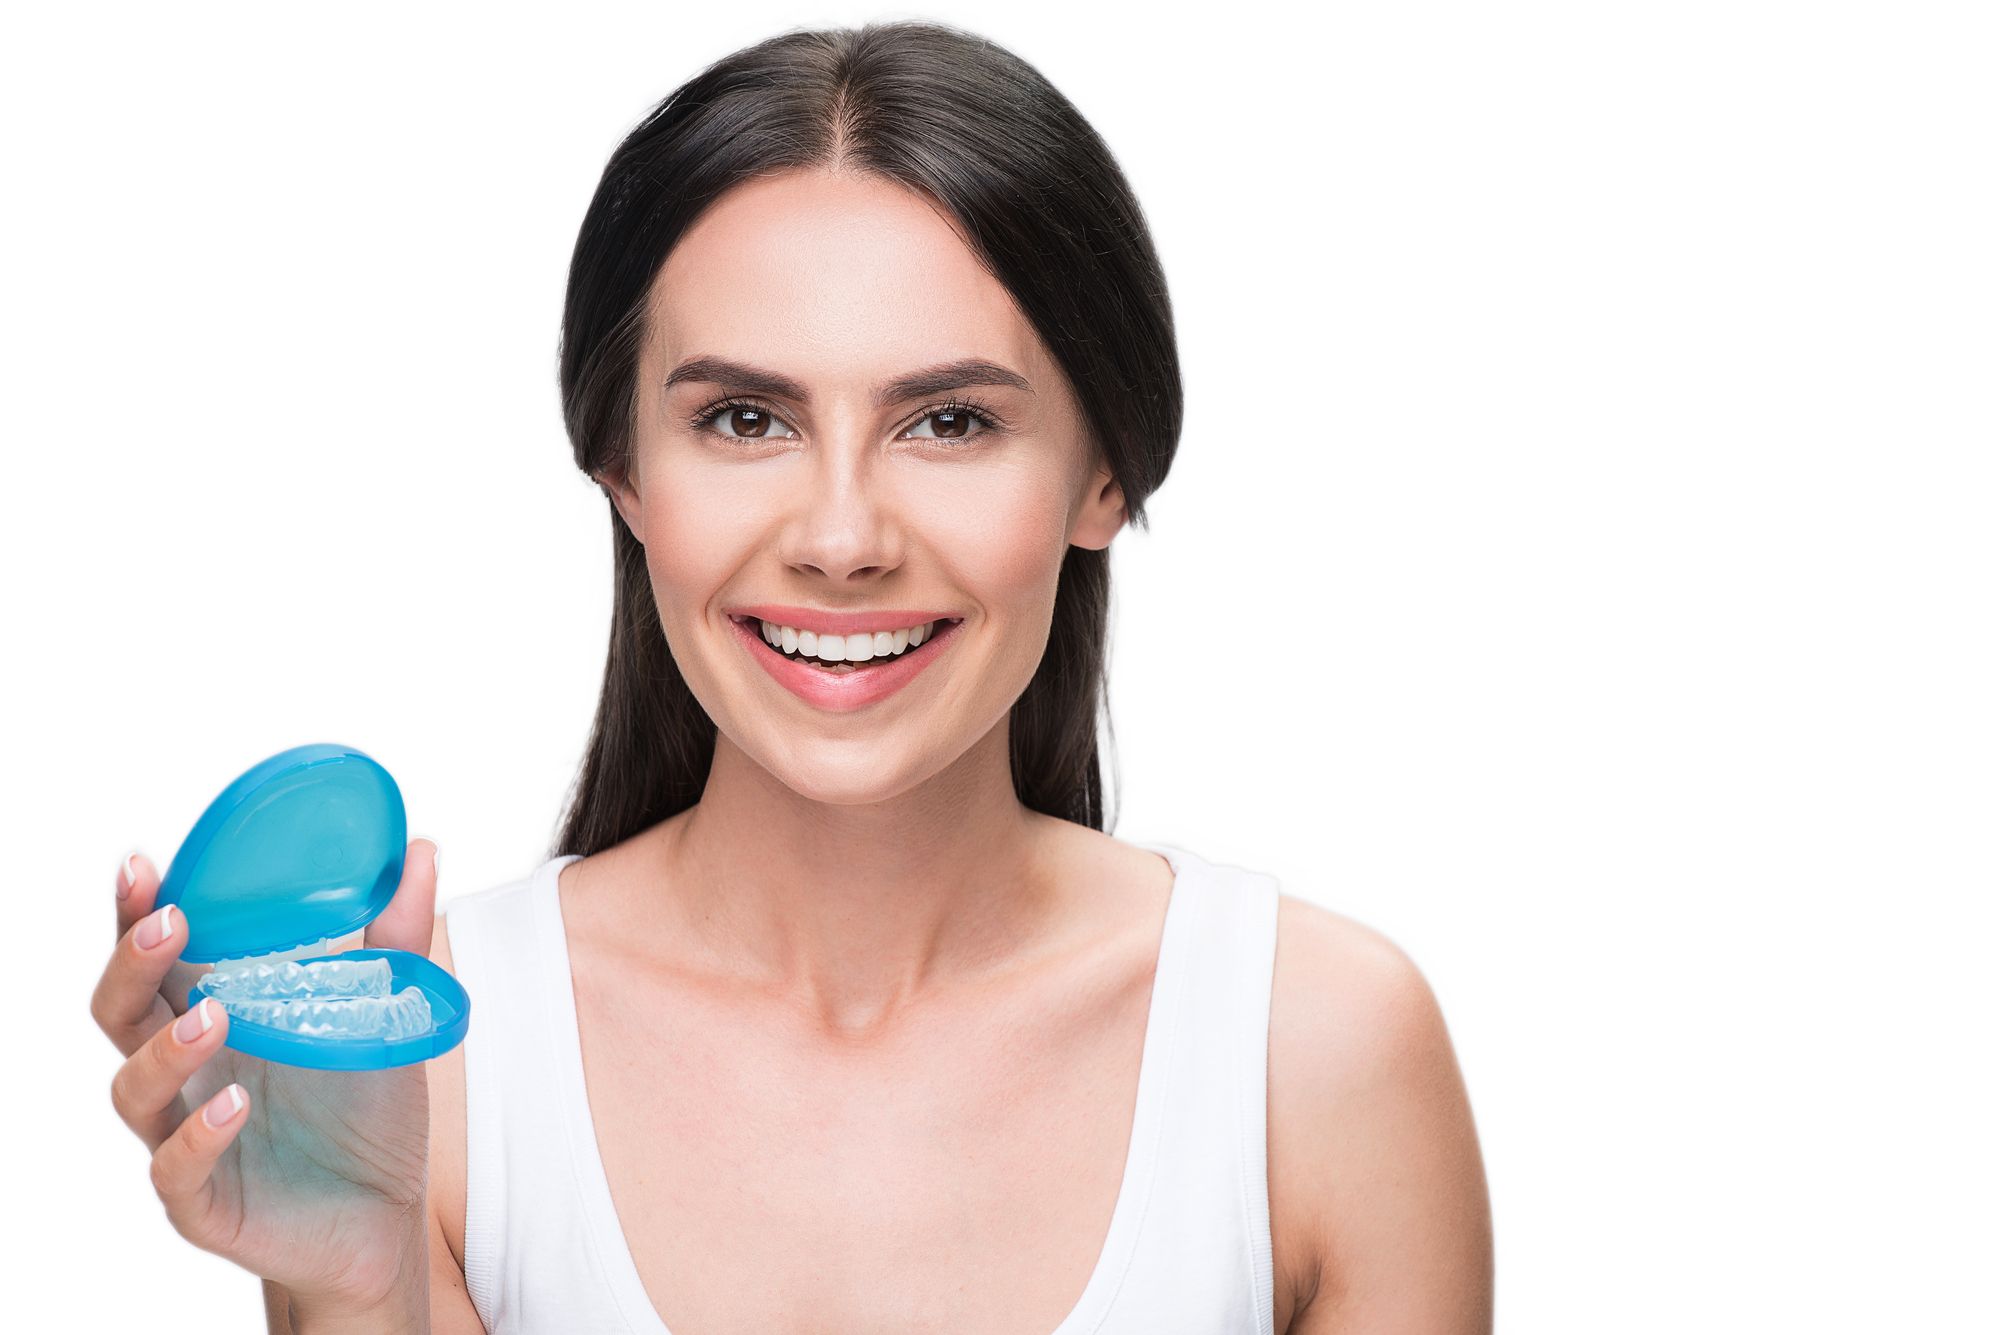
[[1379, 1210], [1351, 1013]]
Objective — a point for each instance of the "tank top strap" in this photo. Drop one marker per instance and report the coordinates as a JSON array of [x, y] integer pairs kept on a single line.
[[535, 1255], [1203, 1255]]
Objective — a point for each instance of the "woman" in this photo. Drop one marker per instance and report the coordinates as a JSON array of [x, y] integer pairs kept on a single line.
[[836, 1009]]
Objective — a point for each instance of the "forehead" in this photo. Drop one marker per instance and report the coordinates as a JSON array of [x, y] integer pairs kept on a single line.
[[832, 275]]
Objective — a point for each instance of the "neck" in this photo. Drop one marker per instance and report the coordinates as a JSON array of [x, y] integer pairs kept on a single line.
[[854, 911]]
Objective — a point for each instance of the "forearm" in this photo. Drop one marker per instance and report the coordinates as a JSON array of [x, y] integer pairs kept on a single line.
[[403, 1308], [405, 1311]]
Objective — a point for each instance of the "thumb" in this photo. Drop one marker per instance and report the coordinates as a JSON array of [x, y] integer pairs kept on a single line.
[[406, 924]]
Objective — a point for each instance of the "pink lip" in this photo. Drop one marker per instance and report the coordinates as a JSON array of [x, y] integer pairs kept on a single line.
[[848, 690]]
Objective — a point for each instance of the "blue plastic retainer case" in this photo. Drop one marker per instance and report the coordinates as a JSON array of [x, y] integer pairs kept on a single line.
[[303, 847]]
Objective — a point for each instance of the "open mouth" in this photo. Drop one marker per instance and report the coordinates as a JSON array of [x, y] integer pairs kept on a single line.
[[935, 630]]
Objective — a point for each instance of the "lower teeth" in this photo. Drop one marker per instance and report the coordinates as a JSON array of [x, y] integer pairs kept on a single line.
[[838, 669]]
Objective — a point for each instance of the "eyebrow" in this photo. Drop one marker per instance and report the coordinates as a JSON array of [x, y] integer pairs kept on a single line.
[[939, 379]]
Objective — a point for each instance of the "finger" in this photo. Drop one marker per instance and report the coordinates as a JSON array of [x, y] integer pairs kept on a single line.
[[406, 924], [146, 1089], [123, 1002], [137, 884], [184, 1164]]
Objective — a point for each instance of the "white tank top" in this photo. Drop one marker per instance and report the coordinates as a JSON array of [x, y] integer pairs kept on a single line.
[[1189, 1243]]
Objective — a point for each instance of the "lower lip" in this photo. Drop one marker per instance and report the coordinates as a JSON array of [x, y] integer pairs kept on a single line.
[[840, 691]]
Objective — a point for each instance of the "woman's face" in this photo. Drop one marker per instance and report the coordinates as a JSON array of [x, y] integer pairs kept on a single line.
[[828, 496]]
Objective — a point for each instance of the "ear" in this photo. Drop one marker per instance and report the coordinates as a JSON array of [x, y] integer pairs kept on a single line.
[[1103, 513], [625, 498]]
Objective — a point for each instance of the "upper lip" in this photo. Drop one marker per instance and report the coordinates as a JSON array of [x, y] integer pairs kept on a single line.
[[839, 623]]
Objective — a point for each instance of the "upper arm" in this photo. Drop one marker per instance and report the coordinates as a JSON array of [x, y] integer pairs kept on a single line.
[[452, 1312], [1375, 1161], [277, 1309]]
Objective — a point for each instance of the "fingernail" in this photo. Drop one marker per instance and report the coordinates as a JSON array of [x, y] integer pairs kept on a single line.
[[128, 875], [223, 1106], [156, 928], [195, 1023], [437, 861]]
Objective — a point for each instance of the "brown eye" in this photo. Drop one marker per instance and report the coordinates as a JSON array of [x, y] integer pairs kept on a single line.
[[954, 421], [741, 421]]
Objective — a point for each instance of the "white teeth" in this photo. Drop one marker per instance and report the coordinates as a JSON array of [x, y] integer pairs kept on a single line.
[[843, 648]]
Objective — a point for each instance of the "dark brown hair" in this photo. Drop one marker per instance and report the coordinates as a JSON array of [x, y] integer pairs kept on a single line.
[[971, 125]]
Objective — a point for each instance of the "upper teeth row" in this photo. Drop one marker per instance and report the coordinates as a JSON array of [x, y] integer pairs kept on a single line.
[[844, 648]]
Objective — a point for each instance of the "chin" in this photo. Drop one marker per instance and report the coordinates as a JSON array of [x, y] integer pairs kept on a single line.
[[837, 771], [837, 791]]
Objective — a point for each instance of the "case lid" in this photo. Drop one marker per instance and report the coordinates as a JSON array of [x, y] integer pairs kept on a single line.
[[305, 845]]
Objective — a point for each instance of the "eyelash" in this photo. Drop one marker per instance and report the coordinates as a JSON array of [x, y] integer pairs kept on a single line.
[[984, 416]]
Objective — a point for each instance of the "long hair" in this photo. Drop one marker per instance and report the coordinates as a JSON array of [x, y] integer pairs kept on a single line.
[[1048, 213]]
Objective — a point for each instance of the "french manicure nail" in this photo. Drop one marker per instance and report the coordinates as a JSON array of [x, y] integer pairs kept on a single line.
[[223, 1106], [195, 1023], [156, 928], [128, 875]]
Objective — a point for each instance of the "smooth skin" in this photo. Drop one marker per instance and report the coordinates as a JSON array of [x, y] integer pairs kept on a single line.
[[858, 975]]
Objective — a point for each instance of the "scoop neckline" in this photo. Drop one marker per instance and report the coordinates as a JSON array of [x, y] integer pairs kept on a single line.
[[600, 1211]]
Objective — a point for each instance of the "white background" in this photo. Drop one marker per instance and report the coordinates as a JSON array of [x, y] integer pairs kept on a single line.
[[1601, 398]]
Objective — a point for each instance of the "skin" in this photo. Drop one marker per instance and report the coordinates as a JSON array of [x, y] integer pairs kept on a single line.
[[867, 952]]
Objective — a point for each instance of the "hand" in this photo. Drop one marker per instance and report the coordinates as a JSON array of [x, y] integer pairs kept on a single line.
[[312, 1179]]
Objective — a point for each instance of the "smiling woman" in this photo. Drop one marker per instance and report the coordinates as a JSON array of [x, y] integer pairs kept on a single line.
[[836, 1006], [869, 348]]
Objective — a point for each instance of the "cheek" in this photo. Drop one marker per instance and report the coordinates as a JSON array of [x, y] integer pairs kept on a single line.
[[693, 542], [1004, 537]]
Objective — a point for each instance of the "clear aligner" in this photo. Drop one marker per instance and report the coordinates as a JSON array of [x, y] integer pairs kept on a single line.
[[296, 978], [323, 946], [407, 1014]]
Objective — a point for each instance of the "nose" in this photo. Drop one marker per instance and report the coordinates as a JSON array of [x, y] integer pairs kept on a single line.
[[843, 527]]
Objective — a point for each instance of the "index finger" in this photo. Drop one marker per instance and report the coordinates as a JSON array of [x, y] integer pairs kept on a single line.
[[127, 1003], [137, 883], [138, 886]]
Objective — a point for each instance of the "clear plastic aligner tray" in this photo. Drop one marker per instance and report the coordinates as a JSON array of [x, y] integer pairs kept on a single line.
[[349, 997]]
